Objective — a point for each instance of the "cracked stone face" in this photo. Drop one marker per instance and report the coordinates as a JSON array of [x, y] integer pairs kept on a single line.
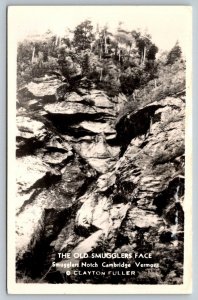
[[90, 182]]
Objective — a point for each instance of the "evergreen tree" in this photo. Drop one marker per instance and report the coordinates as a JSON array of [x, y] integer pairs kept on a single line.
[[83, 35], [174, 54]]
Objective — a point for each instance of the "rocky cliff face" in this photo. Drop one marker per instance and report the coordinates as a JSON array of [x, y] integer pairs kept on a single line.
[[88, 182]]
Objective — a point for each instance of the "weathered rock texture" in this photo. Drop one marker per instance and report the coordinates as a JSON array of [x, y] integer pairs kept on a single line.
[[88, 182]]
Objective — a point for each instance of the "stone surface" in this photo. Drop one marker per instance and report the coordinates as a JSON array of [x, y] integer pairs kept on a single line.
[[30, 169], [27, 128], [99, 99], [96, 182], [96, 127], [60, 194], [70, 108], [48, 90], [98, 153], [73, 97]]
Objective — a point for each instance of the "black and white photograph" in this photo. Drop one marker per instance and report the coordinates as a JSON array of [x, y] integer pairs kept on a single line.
[[99, 149]]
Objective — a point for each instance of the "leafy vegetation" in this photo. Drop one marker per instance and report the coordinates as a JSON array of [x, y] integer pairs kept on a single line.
[[119, 62], [174, 54]]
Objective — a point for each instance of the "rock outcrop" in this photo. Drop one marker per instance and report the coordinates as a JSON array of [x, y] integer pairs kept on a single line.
[[47, 89], [88, 181]]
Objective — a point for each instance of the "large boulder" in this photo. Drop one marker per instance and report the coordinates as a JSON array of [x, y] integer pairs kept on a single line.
[[31, 172], [91, 102], [72, 108], [33, 134], [99, 99], [99, 210], [29, 129], [96, 127], [73, 97], [30, 169], [49, 90], [59, 194]]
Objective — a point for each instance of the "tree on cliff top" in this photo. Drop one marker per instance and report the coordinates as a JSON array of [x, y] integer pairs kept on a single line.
[[83, 35], [147, 49], [174, 54]]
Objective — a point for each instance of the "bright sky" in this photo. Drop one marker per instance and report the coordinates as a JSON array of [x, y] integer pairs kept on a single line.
[[166, 24]]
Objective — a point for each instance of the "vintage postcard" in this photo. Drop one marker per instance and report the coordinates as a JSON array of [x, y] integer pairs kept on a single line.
[[99, 150]]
